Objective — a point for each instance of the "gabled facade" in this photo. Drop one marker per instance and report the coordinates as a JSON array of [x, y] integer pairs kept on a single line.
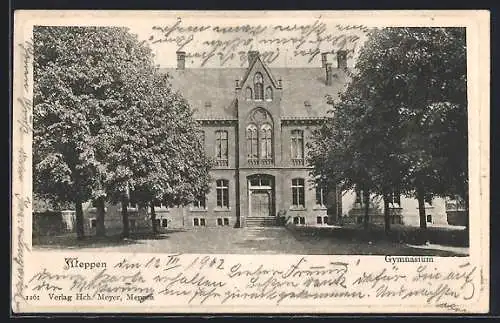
[[256, 124]]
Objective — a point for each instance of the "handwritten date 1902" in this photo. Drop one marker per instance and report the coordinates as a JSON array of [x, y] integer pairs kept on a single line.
[[207, 262]]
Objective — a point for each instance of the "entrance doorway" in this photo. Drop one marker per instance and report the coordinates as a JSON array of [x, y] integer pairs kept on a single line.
[[261, 203], [261, 196]]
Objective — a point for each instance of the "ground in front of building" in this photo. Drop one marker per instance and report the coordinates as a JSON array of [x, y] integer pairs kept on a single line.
[[270, 240]]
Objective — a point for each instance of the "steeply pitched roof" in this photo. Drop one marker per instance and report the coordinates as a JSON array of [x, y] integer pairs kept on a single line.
[[250, 68], [211, 91]]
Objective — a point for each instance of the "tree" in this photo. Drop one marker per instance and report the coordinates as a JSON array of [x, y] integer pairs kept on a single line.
[[429, 69], [72, 86], [403, 117], [101, 116], [156, 153]]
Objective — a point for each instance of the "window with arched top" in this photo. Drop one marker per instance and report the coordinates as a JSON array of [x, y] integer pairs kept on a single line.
[[266, 139], [252, 142], [248, 94], [269, 93], [258, 83], [259, 135]]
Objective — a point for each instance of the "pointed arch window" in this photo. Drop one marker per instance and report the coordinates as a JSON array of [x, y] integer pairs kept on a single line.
[[258, 83], [269, 93], [252, 142], [259, 136], [248, 94], [266, 139]]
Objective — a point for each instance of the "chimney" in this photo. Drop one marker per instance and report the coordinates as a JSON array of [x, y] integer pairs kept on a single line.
[[181, 60], [252, 55], [280, 84], [342, 59], [237, 84], [328, 70], [323, 59]]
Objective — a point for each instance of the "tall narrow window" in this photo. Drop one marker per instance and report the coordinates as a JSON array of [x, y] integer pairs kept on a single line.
[[252, 143], [248, 93], [201, 137], [200, 202], [298, 192], [266, 142], [321, 192], [258, 83], [269, 93], [222, 189], [221, 148], [395, 199], [359, 198], [297, 147]]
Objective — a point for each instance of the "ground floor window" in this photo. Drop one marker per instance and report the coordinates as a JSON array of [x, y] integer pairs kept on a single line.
[[93, 223], [164, 223], [395, 199], [361, 197], [200, 202], [222, 189], [429, 218], [298, 193], [321, 192], [132, 224]]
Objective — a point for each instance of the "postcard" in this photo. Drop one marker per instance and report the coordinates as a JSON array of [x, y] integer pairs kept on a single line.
[[250, 162]]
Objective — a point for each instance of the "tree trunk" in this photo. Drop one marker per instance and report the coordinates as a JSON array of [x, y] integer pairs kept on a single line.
[[338, 209], [466, 200], [126, 228], [80, 230], [387, 216], [153, 218], [421, 207], [366, 198], [100, 228]]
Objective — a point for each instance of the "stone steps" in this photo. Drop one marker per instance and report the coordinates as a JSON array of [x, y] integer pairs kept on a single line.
[[261, 221]]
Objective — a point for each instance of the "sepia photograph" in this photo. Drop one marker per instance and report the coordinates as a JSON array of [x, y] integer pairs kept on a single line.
[[362, 149], [214, 159]]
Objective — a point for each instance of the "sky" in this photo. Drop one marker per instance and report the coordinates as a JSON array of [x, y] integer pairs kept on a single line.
[[222, 38], [223, 41]]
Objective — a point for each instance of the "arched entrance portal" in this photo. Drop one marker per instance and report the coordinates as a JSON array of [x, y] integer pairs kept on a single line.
[[261, 199]]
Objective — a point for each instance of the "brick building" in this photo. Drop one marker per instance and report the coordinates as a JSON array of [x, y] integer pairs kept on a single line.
[[256, 123]]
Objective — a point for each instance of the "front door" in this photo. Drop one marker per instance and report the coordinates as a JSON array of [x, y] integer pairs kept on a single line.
[[261, 203]]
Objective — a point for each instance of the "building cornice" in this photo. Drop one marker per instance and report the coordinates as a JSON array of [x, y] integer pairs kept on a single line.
[[214, 121], [302, 120]]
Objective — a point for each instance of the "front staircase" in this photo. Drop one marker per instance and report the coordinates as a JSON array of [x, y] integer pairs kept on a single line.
[[268, 221]]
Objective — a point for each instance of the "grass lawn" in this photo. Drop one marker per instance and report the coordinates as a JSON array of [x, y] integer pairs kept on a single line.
[[271, 240]]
